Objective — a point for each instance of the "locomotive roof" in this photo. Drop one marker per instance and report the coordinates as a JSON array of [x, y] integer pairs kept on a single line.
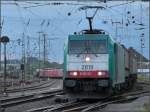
[[93, 31], [88, 37]]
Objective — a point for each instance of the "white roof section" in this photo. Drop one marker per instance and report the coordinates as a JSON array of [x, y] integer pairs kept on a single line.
[[143, 70]]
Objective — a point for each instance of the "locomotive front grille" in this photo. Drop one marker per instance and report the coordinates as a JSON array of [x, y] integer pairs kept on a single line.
[[87, 85]]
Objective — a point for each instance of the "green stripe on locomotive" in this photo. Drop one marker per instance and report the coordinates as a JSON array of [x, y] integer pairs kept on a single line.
[[111, 60], [65, 60]]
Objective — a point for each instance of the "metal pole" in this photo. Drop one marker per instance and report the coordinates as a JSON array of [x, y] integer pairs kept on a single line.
[[5, 61], [0, 56], [0, 44], [140, 61], [44, 52], [1, 26], [0, 37], [23, 62], [44, 48], [28, 57], [39, 53], [116, 30], [23, 77], [0, 47]]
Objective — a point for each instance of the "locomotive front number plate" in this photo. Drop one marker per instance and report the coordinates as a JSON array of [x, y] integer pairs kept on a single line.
[[87, 67]]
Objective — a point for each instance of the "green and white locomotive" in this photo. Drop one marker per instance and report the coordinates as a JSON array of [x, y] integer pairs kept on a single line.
[[95, 64]]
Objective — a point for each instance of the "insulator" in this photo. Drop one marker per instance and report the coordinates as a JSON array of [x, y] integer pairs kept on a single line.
[[128, 12], [142, 39], [69, 14], [132, 17], [143, 45], [105, 22], [105, 1]]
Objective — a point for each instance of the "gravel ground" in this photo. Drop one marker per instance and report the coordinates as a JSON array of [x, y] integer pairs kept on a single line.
[[134, 106], [27, 106], [55, 85], [37, 104]]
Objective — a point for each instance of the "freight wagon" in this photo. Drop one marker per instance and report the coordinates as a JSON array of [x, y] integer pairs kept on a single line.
[[51, 73]]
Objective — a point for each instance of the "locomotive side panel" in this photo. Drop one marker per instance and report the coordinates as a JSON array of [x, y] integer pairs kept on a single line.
[[111, 47], [132, 64], [126, 60], [120, 65]]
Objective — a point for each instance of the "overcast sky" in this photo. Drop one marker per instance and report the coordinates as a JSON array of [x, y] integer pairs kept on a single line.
[[58, 21]]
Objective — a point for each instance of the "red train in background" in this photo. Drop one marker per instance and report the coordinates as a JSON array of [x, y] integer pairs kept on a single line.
[[51, 73]]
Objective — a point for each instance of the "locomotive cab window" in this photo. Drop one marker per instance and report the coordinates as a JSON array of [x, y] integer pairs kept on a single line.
[[87, 47]]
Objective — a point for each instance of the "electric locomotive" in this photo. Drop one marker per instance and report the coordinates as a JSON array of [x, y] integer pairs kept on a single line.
[[94, 64]]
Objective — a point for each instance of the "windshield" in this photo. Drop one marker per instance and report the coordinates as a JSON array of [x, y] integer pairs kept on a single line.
[[87, 47]]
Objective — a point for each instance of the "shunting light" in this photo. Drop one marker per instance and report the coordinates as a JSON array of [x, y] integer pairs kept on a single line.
[[75, 73], [99, 73], [87, 59]]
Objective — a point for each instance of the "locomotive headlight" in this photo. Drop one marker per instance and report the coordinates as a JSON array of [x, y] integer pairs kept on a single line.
[[99, 73], [75, 73], [87, 59]]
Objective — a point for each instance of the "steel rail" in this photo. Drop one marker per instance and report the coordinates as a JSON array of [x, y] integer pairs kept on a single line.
[[83, 107], [25, 96], [104, 102], [122, 99], [31, 87], [64, 106], [99, 104], [48, 107], [30, 98]]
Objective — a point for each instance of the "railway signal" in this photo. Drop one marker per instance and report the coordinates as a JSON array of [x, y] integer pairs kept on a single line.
[[4, 40]]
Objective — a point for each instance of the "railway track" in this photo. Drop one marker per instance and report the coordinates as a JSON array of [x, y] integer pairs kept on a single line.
[[115, 99], [5, 103], [29, 95], [83, 106], [16, 83], [39, 86], [118, 99], [57, 107], [71, 106], [144, 83]]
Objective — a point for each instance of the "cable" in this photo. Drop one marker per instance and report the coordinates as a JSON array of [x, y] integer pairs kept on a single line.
[[33, 13], [121, 4], [36, 5]]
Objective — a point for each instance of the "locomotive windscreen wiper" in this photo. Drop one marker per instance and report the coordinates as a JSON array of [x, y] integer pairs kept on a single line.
[[82, 52], [88, 52]]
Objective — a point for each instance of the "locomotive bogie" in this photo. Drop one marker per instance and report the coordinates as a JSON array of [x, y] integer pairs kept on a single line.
[[82, 85]]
